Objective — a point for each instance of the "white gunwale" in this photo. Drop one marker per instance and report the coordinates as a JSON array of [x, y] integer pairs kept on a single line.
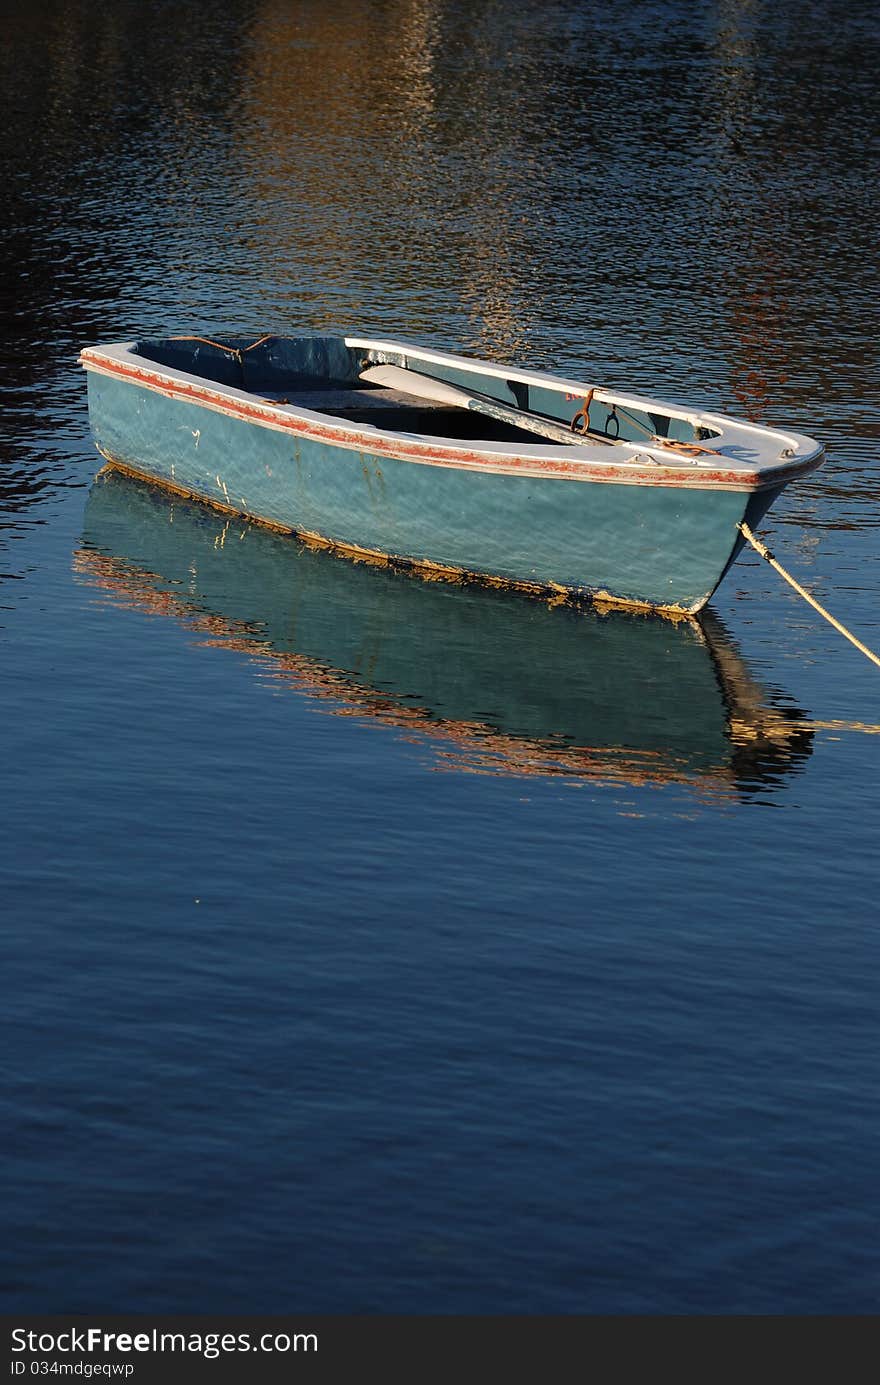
[[741, 462]]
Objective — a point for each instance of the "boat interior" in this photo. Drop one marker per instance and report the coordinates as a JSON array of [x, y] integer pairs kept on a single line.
[[404, 389]]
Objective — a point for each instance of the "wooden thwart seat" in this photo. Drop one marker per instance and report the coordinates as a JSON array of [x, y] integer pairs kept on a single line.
[[341, 401]]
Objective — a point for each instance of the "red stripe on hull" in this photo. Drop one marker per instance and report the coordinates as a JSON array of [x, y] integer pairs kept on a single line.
[[426, 454]]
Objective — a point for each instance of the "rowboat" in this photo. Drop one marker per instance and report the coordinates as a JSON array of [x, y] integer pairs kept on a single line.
[[452, 466], [481, 681]]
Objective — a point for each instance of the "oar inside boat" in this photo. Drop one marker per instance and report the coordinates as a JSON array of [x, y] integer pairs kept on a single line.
[[426, 387]]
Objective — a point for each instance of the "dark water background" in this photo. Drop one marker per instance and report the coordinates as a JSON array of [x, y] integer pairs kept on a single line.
[[371, 945]]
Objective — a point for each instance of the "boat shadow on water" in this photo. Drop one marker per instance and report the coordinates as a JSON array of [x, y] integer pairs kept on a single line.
[[492, 681]]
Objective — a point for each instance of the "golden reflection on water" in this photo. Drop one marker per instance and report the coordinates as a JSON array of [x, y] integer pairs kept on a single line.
[[316, 81]]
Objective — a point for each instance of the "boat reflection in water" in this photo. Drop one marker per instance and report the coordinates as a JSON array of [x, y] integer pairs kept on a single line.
[[495, 682]]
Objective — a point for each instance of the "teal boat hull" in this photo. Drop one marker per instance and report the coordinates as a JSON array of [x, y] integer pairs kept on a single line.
[[531, 520]]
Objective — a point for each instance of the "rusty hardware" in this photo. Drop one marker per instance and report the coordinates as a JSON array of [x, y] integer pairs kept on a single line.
[[690, 449], [583, 413]]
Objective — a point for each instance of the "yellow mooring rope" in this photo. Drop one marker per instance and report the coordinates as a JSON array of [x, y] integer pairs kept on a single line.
[[765, 553]]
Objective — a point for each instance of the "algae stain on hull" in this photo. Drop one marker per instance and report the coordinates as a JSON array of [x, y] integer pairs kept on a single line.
[[424, 568]]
